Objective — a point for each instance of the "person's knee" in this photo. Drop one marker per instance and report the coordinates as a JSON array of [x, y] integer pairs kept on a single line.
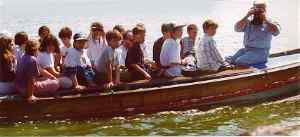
[[242, 61]]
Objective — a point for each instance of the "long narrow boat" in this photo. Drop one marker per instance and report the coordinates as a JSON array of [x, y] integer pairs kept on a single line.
[[280, 78]]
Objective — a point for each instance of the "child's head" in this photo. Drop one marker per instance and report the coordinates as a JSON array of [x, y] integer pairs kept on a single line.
[[128, 39], [21, 38], [80, 41], [65, 34], [167, 30], [44, 31], [192, 31], [31, 48], [139, 34], [210, 27], [50, 44], [178, 31], [97, 30], [120, 28], [113, 38], [6, 44]]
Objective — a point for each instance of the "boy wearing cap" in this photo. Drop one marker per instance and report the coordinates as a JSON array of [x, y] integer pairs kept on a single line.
[[135, 56], [258, 34], [108, 65], [170, 52], [77, 64], [96, 42], [208, 56]]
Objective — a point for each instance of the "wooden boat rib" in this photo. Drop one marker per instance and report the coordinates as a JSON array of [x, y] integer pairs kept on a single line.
[[224, 88]]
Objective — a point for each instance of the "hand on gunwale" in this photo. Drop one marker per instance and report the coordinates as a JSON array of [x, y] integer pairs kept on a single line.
[[108, 85]]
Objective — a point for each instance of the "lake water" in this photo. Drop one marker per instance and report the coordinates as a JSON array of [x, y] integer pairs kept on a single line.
[[29, 15]]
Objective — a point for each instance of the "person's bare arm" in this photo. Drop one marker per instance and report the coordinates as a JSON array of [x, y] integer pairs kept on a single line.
[[47, 74], [273, 27], [117, 78], [241, 24], [53, 72], [142, 71], [30, 90]]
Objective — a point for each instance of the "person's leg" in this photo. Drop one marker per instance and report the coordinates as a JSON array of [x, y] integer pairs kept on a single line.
[[65, 82], [231, 59], [251, 57], [46, 87]]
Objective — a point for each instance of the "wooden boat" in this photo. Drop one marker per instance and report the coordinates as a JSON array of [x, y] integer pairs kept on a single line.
[[281, 77]]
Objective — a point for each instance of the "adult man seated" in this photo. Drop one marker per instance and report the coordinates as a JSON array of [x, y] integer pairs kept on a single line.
[[258, 34], [170, 53], [135, 57]]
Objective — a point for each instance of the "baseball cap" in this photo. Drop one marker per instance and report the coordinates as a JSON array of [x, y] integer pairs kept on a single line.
[[80, 36]]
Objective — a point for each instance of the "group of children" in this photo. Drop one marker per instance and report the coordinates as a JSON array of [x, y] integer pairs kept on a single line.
[[37, 68]]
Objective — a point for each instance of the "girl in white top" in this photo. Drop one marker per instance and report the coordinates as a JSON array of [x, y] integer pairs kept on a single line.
[[96, 43], [46, 60]]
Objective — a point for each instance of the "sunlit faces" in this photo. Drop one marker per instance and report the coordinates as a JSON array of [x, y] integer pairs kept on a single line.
[[66, 41], [193, 33], [97, 33], [140, 37], [211, 30], [81, 44], [178, 32], [115, 43], [51, 48]]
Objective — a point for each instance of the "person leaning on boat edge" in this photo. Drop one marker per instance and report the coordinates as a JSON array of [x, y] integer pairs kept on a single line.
[[258, 34]]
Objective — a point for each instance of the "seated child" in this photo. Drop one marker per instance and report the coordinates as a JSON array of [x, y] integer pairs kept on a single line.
[[208, 56], [170, 52], [7, 65], [46, 60], [27, 81], [20, 41], [108, 65], [77, 65], [135, 56], [188, 43], [65, 35]]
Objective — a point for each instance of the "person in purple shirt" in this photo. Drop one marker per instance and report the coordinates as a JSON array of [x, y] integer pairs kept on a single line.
[[27, 81], [258, 34]]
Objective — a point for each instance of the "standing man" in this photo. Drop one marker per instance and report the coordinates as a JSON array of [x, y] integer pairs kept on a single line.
[[258, 33]]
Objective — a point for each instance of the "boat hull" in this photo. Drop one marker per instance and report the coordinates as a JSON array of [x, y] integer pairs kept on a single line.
[[256, 86]]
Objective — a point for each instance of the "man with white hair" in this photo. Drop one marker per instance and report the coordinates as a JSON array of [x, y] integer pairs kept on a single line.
[[258, 33]]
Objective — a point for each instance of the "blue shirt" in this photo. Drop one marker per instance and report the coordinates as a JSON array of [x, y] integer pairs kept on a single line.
[[257, 36]]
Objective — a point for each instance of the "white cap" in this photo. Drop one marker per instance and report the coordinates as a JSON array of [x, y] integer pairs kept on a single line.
[[259, 2]]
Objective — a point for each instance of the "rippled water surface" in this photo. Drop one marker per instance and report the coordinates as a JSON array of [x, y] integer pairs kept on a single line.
[[28, 15]]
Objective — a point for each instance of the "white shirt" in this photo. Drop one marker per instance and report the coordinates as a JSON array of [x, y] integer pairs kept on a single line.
[[63, 50], [109, 55], [170, 53], [19, 52], [208, 56], [95, 49], [75, 58], [122, 53], [45, 60]]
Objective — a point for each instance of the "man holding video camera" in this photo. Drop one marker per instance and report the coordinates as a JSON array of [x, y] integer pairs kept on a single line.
[[258, 33]]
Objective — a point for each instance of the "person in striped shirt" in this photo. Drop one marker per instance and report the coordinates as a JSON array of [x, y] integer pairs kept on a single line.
[[208, 56]]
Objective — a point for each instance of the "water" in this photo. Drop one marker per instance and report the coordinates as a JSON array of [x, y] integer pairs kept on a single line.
[[284, 115], [29, 15]]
